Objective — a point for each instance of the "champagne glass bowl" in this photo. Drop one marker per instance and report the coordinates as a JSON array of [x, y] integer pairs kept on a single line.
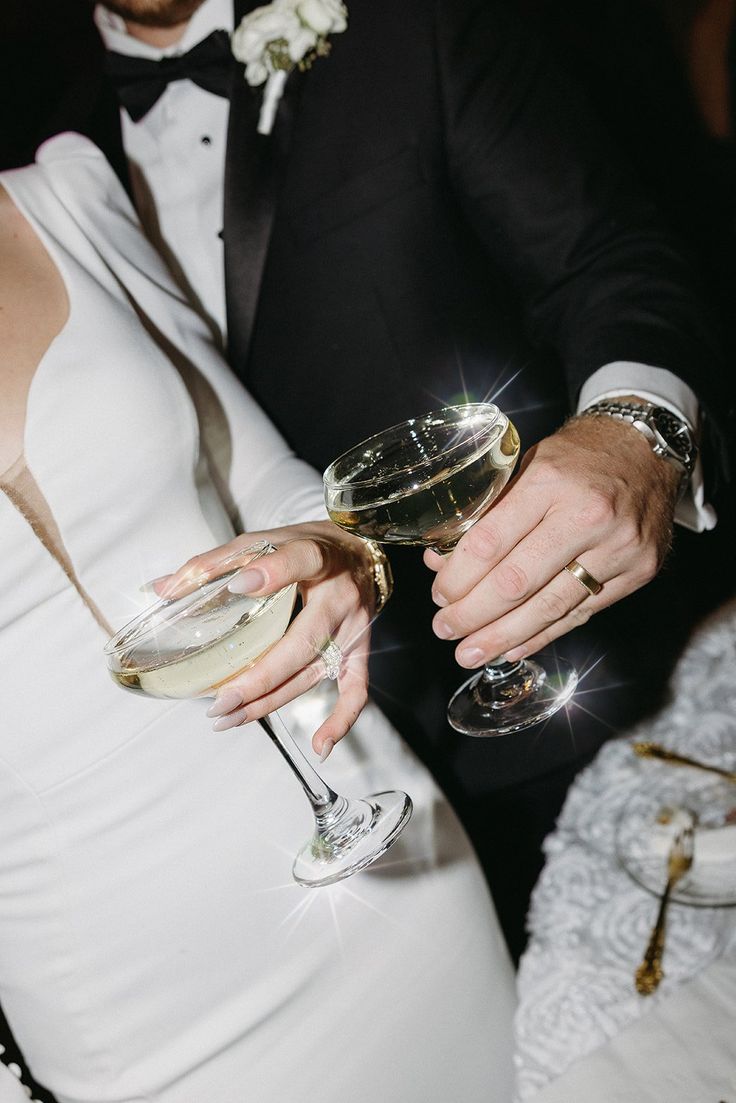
[[187, 646], [425, 481]]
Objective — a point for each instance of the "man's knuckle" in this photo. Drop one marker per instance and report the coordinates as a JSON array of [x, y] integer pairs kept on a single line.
[[544, 471], [582, 613], [628, 534], [598, 511], [552, 607], [647, 566], [461, 621], [512, 582], [483, 541]]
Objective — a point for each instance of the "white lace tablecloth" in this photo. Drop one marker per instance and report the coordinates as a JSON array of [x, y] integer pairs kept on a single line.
[[589, 922]]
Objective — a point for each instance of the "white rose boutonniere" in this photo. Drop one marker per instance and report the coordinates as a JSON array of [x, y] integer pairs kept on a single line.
[[284, 35]]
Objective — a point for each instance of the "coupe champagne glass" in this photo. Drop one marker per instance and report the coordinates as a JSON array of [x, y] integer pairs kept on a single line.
[[426, 481], [188, 646]]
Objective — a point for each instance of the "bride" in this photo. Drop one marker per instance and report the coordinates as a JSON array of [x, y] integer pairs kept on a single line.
[[153, 945]]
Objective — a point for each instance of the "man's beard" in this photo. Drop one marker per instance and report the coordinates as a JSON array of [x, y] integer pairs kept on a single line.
[[154, 13]]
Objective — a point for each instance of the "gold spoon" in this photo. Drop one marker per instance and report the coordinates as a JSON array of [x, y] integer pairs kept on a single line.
[[656, 750], [679, 860]]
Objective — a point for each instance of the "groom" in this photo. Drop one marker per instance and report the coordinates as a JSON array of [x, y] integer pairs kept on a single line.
[[432, 215]]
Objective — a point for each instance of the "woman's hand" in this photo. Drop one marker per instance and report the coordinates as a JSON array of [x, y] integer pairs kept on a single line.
[[334, 573]]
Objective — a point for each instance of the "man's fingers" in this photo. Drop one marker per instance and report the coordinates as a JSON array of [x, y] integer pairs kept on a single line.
[[578, 616], [559, 606], [531, 564], [488, 542]]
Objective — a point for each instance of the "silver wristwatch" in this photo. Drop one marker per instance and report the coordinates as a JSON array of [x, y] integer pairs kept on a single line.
[[669, 436]]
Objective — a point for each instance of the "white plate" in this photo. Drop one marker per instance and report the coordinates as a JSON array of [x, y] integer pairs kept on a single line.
[[642, 845]]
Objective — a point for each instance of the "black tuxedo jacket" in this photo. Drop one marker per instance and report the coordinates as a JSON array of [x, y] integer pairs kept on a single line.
[[435, 210], [435, 214]]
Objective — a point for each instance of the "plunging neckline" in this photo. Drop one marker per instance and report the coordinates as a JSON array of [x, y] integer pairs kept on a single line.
[[18, 482]]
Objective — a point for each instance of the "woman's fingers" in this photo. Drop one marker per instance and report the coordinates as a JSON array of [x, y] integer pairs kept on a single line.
[[331, 572], [353, 687], [207, 565], [353, 694], [295, 561]]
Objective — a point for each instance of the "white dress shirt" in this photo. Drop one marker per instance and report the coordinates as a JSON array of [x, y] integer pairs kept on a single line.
[[177, 160], [176, 155]]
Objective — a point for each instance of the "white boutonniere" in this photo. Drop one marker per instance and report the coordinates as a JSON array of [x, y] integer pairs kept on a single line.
[[284, 35]]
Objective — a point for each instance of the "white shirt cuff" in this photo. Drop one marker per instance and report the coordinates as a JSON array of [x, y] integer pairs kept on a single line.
[[663, 388]]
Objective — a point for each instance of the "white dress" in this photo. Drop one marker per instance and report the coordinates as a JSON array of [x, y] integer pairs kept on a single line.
[[153, 946]]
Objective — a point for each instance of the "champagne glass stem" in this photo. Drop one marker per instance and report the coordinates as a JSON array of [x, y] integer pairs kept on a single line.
[[502, 682], [500, 668], [320, 795], [348, 834]]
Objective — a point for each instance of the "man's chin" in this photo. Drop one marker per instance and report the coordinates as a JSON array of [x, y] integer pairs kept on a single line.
[[154, 13]]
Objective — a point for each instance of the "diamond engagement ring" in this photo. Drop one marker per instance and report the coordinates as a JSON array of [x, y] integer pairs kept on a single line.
[[332, 658]]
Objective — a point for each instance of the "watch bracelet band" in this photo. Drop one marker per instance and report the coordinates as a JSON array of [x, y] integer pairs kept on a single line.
[[380, 572], [631, 412]]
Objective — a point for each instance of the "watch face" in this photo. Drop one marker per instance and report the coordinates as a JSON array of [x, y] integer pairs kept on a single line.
[[674, 432]]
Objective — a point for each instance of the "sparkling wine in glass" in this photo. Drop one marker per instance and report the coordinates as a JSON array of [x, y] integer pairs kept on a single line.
[[426, 481], [188, 646]]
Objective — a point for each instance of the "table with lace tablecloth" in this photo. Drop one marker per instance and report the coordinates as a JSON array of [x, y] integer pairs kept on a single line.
[[589, 921]]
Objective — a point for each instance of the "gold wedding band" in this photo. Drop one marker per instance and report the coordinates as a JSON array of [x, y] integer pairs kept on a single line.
[[578, 571]]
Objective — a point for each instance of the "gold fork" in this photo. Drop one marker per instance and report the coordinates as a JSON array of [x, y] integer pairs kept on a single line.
[[679, 861], [645, 749]]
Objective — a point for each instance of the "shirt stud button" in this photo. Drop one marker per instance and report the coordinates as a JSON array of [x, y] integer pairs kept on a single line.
[[206, 140]]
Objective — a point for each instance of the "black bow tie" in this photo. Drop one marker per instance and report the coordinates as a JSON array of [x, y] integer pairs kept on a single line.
[[139, 82]]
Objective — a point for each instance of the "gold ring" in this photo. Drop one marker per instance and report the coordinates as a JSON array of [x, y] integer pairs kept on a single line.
[[578, 571]]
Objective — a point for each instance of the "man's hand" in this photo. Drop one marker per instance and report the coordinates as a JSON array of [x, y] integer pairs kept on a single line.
[[594, 491]]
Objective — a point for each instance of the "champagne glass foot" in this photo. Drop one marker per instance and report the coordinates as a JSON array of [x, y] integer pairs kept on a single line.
[[509, 697], [351, 835]]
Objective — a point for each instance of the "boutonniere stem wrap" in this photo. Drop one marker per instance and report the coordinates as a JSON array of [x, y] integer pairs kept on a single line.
[[284, 35]]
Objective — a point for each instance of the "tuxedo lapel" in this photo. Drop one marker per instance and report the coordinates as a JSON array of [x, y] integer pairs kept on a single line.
[[254, 170]]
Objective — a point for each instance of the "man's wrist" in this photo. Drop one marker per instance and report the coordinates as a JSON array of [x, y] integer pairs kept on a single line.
[[668, 435]]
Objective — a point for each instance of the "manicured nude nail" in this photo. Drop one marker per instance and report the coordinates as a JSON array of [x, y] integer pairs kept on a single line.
[[326, 751], [439, 599], [514, 654], [471, 656], [247, 582], [150, 587], [225, 701], [443, 630], [232, 720]]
